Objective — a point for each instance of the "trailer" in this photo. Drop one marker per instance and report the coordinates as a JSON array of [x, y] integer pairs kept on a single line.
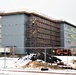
[[6, 50]]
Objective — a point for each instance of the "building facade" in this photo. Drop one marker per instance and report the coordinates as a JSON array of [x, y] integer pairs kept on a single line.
[[24, 29], [13, 27], [0, 33], [68, 35], [42, 32], [21, 29]]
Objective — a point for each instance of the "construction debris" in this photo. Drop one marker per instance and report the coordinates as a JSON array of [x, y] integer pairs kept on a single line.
[[74, 63], [38, 62]]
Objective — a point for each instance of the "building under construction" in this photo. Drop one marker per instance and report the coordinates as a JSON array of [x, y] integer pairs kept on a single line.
[[29, 29], [42, 32]]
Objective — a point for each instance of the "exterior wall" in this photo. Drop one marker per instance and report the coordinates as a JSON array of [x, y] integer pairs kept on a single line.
[[62, 35], [21, 30], [13, 27], [0, 33], [68, 35]]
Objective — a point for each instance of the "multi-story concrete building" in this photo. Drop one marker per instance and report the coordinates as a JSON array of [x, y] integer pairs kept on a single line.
[[25, 29]]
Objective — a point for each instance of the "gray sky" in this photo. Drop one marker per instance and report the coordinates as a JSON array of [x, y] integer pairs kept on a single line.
[[58, 9]]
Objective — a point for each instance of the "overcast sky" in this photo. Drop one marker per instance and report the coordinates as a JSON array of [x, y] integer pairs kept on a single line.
[[58, 9]]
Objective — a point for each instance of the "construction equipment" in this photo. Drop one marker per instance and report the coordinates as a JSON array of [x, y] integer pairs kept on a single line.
[[61, 51]]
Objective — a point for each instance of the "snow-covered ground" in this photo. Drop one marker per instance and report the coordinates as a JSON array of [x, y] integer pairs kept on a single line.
[[35, 72], [7, 62], [11, 62], [67, 59], [8, 66], [24, 73]]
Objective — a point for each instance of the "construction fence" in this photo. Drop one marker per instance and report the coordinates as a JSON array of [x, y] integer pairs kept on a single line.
[[66, 55]]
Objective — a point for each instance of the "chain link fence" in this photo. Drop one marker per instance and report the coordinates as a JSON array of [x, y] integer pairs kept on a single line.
[[8, 56]]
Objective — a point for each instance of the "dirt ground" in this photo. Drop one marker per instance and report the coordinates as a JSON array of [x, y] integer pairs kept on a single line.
[[39, 65]]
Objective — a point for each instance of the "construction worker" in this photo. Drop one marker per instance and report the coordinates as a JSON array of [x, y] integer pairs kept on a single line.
[[53, 52], [33, 22]]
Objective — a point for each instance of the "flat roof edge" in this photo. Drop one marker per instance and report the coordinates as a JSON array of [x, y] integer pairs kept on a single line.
[[13, 13], [29, 13], [37, 14]]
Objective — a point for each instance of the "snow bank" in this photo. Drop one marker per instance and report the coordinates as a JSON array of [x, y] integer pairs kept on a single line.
[[23, 61]]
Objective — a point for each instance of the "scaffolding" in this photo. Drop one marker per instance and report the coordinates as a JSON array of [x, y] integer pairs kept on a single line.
[[42, 32]]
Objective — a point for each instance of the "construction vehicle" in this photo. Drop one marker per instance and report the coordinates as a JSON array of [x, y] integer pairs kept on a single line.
[[61, 51]]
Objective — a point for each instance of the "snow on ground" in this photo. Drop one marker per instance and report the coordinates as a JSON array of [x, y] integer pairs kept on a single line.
[[67, 59], [35, 72], [12, 62], [25, 73], [7, 62]]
